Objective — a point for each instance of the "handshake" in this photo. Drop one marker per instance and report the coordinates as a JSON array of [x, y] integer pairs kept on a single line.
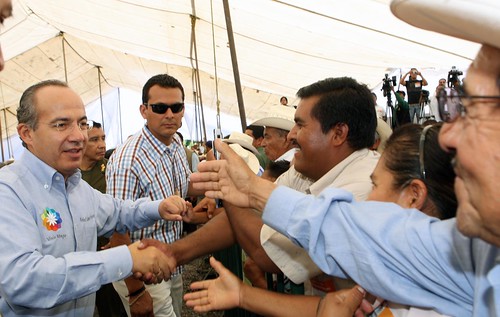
[[151, 262]]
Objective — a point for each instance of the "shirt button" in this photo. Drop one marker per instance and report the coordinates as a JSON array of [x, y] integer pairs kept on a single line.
[[58, 178], [46, 186]]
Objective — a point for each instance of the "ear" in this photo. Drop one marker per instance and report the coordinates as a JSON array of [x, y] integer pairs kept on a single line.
[[417, 194], [25, 133], [143, 109], [339, 133]]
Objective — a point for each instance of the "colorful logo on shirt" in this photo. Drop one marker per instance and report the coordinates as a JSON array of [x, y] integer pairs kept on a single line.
[[51, 219]]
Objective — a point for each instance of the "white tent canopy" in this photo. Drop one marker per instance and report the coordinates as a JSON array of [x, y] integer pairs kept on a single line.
[[280, 45]]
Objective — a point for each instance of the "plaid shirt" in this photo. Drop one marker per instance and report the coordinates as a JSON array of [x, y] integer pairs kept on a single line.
[[145, 167]]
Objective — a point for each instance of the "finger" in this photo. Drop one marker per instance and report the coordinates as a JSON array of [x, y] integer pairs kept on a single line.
[[193, 296], [200, 285], [138, 275], [172, 217], [218, 266], [353, 298], [366, 307], [144, 243]]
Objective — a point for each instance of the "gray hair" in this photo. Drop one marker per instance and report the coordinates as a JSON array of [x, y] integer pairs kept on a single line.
[[26, 113]]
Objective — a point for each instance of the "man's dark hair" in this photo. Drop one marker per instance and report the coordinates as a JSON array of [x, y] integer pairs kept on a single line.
[[401, 92], [96, 125], [344, 100], [276, 168], [257, 131], [162, 80]]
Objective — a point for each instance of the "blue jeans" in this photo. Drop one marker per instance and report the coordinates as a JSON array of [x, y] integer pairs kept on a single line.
[[414, 109]]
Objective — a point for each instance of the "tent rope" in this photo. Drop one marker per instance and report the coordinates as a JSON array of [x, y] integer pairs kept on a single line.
[[218, 130], [200, 128]]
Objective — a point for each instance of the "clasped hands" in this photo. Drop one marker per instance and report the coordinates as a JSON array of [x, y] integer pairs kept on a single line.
[[150, 263]]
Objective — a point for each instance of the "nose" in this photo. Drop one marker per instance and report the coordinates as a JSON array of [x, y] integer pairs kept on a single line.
[[449, 135], [77, 135], [292, 135], [169, 113], [102, 144]]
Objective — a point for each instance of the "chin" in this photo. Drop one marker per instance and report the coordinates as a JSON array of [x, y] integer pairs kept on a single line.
[[467, 224]]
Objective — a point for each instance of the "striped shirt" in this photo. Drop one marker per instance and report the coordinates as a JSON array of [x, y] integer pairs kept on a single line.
[[145, 167]]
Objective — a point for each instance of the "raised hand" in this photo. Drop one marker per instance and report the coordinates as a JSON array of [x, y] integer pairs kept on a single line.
[[230, 179], [173, 208], [218, 294]]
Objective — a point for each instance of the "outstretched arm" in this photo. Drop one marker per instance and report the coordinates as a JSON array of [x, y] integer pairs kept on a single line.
[[227, 291]]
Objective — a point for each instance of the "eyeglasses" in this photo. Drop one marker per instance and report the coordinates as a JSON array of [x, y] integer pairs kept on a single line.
[[63, 126], [457, 103], [421, 148], [161, 108]]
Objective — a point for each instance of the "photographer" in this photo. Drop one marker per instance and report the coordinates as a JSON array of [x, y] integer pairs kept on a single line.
[[402, 108], [414, 89]]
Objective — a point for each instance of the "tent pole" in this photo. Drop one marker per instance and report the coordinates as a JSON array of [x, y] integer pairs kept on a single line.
[[100, 95], [234, 60], [120, 115], [64, 58], [1, 136]]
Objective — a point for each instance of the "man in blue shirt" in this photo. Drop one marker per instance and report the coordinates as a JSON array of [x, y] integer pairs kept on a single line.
[[402, 255], [50, 218]]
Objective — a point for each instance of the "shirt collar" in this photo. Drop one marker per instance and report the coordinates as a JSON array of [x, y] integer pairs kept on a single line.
[[46, 174], [327, 179], [158, 146]]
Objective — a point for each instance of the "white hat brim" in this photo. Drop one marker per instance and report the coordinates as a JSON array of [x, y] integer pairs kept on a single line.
[[477, 21], [252, 160]]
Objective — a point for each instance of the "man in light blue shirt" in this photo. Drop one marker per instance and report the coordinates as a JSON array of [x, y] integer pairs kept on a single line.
[[50, 218], [402, 255]]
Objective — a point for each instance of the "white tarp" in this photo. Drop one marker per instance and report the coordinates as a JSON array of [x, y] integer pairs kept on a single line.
[[281, 46]]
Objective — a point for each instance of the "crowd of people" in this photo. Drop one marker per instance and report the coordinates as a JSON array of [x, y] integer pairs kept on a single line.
[[369, 218]]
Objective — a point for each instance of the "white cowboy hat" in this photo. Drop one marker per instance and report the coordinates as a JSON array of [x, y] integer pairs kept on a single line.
[[249, 158], [278, 117], [473, 20], [384, 131], [242, 139]]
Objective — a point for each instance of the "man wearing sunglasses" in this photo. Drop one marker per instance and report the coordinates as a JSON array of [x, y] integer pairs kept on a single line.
[[152, 163]]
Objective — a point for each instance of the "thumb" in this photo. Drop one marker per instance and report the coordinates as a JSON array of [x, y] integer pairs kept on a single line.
[[353, 298], [218, 266], [224, 149]]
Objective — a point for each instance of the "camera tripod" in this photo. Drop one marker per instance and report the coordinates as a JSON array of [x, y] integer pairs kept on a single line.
[[424, 101]]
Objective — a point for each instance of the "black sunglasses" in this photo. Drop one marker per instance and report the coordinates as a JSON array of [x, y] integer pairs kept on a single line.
[[161, 108]]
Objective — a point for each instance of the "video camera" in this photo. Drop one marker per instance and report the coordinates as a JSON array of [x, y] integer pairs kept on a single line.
[[386, 84], [453, 79]]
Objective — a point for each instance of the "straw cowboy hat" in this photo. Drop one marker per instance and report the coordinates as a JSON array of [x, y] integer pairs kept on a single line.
[[278, 117]]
